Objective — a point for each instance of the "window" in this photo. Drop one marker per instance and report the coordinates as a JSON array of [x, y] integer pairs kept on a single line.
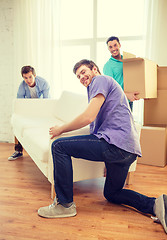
[[76, 19], [120, 18], [70, 55], [85, 27]]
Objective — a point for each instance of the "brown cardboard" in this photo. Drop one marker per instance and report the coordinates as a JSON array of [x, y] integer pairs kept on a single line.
[[161, 78], [140, 75], [154, 146], [127, 55], [155, 110]]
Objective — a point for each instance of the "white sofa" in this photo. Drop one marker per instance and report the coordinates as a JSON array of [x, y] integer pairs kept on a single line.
[[31, 120]]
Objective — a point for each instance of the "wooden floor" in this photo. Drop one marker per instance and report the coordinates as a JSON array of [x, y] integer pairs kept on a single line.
[[23, 189]]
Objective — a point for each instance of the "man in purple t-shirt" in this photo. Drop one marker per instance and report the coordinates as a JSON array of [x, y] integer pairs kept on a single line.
[[113, 140]]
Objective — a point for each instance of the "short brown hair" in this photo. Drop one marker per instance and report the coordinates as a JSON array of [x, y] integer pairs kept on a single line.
[[88, 63], [27, 69]]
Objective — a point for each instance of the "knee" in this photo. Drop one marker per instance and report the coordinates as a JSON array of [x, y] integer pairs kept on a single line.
[[111, 197], [108, 196], [56, 145]]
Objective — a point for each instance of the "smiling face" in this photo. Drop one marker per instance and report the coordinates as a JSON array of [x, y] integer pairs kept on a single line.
[[29, 78], [114, 48], [85, 74]]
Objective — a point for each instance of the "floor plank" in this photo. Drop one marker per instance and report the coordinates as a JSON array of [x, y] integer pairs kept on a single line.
[[23, 189]]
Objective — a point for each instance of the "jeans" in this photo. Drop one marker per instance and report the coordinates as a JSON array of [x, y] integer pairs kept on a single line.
[[18, 147], [117, 162]]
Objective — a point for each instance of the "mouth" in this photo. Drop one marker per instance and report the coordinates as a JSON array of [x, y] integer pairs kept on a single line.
[[85, 81], [115, 52], [29, 84]]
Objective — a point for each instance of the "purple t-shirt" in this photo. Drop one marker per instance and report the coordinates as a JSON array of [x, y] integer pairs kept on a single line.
[[114, 122]]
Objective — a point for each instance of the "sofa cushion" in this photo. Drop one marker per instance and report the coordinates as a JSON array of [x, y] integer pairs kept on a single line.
[[21, 122]]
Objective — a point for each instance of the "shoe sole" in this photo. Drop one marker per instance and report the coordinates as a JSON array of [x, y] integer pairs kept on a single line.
[[11, 159], [161, 209], [59, 216]]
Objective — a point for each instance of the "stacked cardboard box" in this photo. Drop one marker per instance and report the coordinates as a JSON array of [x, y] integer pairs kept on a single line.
[[155, 117], [150, 80], [155, 110], [154, 146]]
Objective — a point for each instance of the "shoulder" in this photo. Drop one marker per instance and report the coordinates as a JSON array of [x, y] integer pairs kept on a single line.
[[22, 84], [108, 67], [102, 79], [101, 82], [21, 90], [109, 62], [41, 81]]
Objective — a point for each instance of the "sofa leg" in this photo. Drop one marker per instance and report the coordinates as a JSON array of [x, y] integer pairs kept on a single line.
[[129, 178], [53, 194]]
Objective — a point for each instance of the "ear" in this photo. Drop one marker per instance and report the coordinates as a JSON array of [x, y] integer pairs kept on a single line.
[[94, 69]]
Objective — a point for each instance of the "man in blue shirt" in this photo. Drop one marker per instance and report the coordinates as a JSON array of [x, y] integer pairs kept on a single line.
[[31, 87], [113, 140], [114, 67]]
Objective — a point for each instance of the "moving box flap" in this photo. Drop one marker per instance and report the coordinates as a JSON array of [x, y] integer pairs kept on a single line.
[[128, 55]]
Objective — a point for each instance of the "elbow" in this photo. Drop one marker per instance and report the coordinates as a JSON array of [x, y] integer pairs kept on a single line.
[[90, 119]]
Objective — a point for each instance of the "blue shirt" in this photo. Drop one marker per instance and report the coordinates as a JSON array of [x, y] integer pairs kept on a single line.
[[42, 89], [114, 122], [114, 68]]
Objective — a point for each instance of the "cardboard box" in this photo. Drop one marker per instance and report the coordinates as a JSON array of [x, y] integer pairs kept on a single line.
[[161, 78], [154, 146], [127, 55], [140, 75], [155, 110]]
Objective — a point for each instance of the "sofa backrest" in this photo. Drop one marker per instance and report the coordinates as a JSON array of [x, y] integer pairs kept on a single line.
[[70, 105], [34, 107]]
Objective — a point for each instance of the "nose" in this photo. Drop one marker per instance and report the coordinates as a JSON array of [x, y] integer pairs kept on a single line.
[[81, 77]]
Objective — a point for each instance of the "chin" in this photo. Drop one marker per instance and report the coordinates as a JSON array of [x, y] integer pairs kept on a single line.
[[115, 55]]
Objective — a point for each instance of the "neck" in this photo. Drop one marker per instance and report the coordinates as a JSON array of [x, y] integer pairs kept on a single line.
[[117, 57], [33, 85], [97, 74]]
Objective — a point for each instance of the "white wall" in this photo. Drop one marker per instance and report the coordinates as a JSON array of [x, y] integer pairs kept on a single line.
[[6, 69]]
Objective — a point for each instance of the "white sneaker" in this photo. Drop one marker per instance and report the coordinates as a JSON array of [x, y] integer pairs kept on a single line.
[[160, 209], [56, 210]]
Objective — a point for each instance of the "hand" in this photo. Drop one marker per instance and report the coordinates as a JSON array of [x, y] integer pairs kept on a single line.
[[132, 96], [55, 131]]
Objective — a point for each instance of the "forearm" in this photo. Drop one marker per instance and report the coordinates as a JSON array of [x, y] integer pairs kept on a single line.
[[77, 123], [82, 120]]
